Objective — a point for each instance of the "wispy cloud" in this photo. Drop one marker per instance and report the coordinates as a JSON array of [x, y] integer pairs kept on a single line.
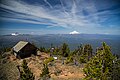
[[77, 14], [48, 3]]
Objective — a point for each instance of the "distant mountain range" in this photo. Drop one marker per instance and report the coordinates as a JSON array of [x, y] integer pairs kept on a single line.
[[73, 40]]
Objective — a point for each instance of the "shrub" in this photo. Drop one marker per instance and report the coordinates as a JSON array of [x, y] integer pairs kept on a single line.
[[5, 49], [26, 74], [65, 50], [45, 73], [42, 49], [50, 59], [69, 59], [57, 72]]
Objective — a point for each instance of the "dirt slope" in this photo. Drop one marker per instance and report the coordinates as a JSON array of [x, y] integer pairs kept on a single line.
[[35, 63]]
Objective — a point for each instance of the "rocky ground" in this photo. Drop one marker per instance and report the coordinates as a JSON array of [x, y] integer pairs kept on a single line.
[[58, 71]]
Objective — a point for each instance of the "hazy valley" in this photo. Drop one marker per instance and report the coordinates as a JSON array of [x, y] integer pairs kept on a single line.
[[57, 39]]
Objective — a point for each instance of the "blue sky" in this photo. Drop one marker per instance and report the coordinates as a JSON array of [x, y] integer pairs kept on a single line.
[[60, 16]]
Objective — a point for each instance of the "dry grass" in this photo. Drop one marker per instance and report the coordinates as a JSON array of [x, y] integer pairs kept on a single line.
[[68, 72], [8, 71]]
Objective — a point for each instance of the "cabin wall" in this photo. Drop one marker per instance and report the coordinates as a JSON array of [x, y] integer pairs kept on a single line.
[[27, 51], [30, 49]]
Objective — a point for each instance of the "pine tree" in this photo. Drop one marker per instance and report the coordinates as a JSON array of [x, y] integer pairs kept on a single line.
[[56, 51], [80, 49], [85, 53], [65, 50], [26, 74], [45, 73], [100, 66], [42, 49], [115, 74]]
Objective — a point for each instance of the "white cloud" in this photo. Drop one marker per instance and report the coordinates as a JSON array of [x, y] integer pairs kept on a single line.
[[48, 3], [69, 14], [44, 15], [74, 32]]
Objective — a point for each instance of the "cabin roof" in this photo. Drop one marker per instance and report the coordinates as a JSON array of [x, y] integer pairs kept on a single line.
[[20, 45]]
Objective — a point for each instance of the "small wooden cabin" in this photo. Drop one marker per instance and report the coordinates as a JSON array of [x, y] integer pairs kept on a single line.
[[24, 49]]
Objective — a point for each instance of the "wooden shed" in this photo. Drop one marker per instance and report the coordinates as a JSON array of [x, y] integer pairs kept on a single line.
[[24, 49]]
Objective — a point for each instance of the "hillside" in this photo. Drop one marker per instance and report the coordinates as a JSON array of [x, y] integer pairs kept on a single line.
[[9, 71]]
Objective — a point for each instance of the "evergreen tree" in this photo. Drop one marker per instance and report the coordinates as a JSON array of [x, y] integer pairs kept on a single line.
[[65, 50], [69, 59], [85, 53], [82, 54], [115, 74], [88, 51], [56, 51], [80, 49], [26, 74], [100, 66], [42, 49], [45, 73]]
